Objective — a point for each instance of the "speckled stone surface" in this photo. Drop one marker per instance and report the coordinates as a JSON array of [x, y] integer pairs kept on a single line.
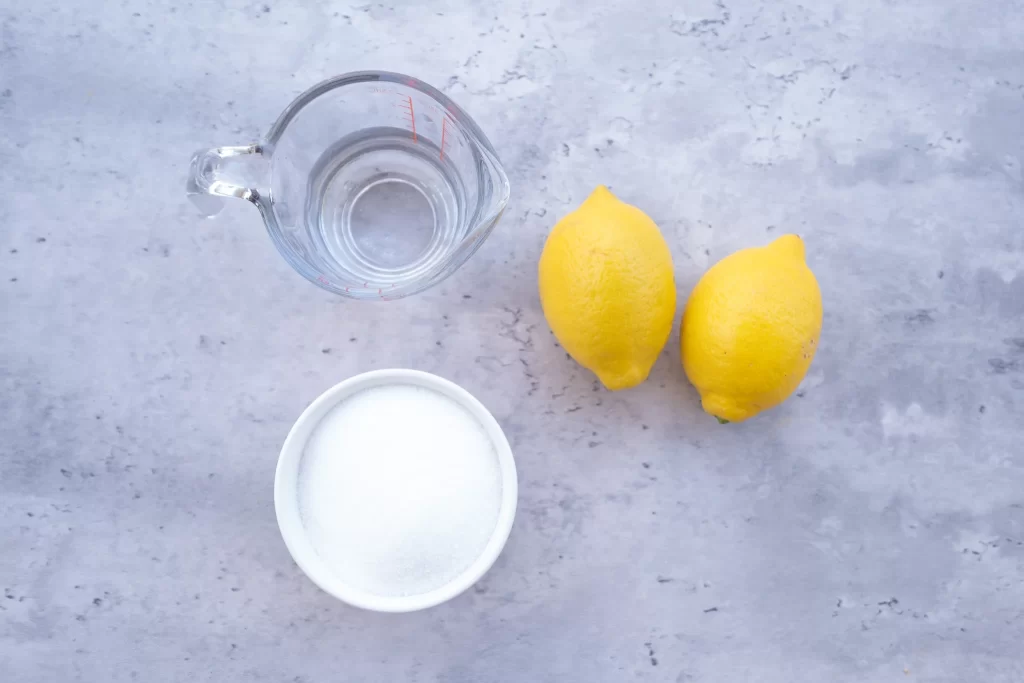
[[151, 363]]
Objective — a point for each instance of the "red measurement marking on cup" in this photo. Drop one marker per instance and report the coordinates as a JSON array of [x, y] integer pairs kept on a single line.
[[322, 280], [411, 113], [444, 134]]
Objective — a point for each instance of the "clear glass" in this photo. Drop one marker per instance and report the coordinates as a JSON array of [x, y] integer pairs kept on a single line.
[[373, 185]]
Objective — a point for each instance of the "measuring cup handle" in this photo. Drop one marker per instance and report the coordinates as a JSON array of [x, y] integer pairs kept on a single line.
[[215, 173]]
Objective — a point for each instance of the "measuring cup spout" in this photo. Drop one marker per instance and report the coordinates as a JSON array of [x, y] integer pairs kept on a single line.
[[234, 171]]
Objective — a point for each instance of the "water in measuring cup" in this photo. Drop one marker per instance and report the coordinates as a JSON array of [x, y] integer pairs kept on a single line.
[[385, 208]]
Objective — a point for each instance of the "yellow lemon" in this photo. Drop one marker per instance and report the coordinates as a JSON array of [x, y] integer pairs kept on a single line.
[[607, 289], [751, 328]]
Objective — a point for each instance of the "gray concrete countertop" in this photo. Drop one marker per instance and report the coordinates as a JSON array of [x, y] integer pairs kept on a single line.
[[151, 362]]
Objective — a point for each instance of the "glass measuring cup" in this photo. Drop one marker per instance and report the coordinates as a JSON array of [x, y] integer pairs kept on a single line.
[[372, 185]]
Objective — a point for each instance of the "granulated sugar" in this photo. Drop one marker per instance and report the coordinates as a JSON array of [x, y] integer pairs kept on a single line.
[[399, 490]]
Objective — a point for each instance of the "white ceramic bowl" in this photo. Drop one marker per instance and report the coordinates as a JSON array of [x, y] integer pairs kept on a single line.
[[287, 505]]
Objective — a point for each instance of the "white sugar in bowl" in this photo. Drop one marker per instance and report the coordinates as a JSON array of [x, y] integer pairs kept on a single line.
[[395, 490]]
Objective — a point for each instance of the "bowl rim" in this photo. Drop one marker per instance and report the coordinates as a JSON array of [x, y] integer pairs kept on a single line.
[[286, 504]]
